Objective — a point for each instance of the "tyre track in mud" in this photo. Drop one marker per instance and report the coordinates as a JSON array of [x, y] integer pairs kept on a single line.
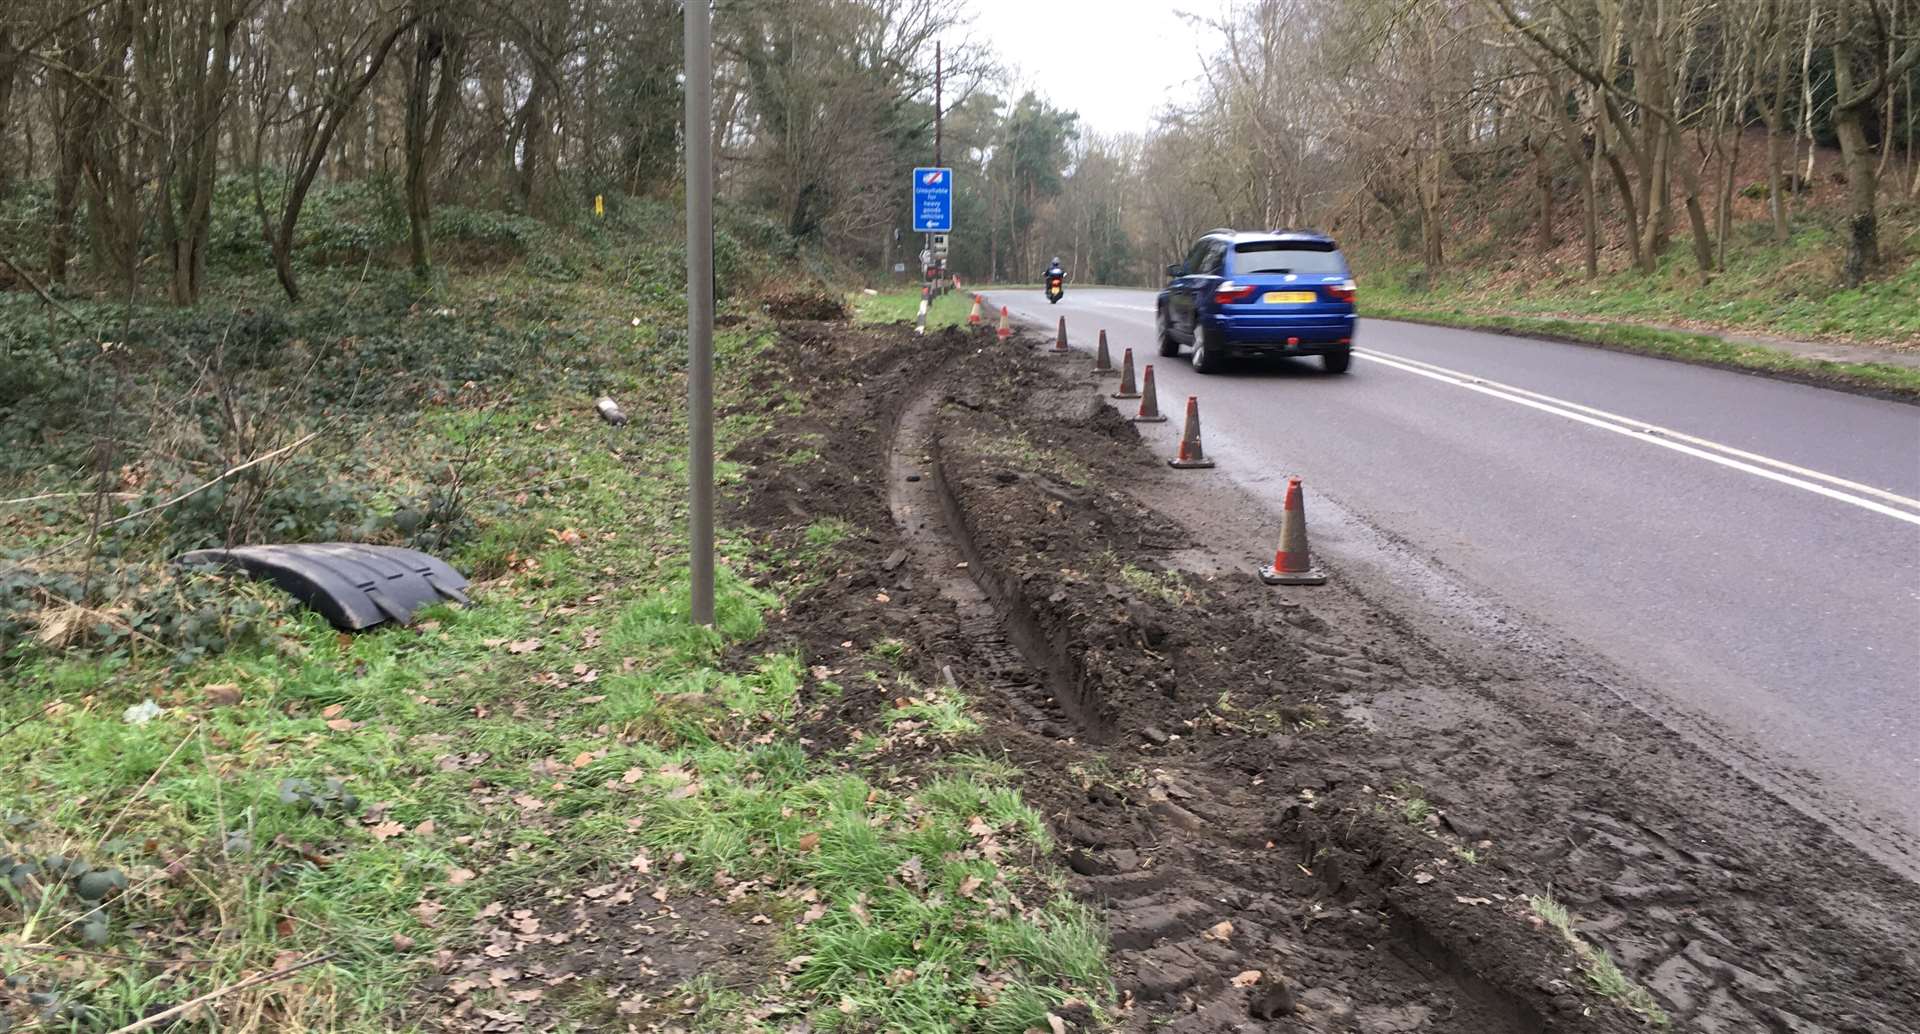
[[1208, 837], [1196, 899]]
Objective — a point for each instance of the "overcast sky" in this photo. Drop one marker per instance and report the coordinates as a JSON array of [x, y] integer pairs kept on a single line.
[[1116, 62]]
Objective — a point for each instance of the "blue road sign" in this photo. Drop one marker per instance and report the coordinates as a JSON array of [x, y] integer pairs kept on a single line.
[[932, 200]]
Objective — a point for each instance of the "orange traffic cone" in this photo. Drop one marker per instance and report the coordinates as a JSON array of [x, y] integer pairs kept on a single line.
[[1127, 390], [1060, 339], [1102, 359], [973, 318], [1191, 455], [1149, 400], [1292, 563], [1006, 328]]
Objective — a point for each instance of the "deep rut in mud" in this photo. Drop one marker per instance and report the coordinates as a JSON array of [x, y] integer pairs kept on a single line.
[[1218, 918]]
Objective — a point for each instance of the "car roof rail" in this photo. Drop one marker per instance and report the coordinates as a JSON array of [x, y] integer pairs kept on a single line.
[[1228, 230]]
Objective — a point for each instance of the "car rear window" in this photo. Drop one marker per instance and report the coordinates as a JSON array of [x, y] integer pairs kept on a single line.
[[1287, 257]]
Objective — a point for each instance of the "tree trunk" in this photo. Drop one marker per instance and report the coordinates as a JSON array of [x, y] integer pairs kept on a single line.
[[1629, 208], [9, 66], [1863, 224], [1776, 180], [433, 85], [1696, 213], [1590, 205], [1543, 186]]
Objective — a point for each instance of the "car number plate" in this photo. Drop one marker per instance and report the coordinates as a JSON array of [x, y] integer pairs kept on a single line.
[[1289, 297]]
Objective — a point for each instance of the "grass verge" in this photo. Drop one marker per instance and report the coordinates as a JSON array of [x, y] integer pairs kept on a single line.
[[903, 306], [374, 832]]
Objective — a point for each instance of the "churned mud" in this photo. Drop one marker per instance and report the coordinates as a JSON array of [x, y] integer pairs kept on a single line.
[[1300, 810], [1389, 830]]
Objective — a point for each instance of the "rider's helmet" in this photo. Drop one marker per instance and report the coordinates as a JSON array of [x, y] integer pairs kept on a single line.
[[1056, 260]]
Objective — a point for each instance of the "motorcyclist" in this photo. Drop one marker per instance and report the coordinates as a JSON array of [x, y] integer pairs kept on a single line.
[[1055, 270]]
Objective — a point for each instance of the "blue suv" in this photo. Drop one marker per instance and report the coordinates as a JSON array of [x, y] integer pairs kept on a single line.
[[1266, 293]]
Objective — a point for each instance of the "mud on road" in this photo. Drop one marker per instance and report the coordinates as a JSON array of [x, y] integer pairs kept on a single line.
[[1299, 812]]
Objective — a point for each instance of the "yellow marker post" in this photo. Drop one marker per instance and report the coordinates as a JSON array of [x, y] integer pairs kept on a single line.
[[600, 205]]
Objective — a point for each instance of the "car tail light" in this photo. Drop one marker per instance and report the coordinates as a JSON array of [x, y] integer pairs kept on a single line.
[[1228, 293], [1344, 292]]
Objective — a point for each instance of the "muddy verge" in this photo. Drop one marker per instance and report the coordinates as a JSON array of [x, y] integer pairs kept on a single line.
[[1273, 858]]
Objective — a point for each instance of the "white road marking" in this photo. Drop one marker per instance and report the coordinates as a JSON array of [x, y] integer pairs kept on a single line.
[[1699, 448]]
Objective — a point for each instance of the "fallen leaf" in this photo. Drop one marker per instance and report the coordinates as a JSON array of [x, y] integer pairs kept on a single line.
[[812, 914], [640, 862], [633, 775], [1220, 931], [1056, 1024], [901, 977], [501, 976], [808, 841], [760, 920], [222, 694], [401, 942], [583, 759], [456, 877], [970, 885], [387, 830], [523, 646], [424, 829], [1247, 978], [533, 994], [1474, 901], [659, 894], [1423, 877], [341, 725], [333, 710]]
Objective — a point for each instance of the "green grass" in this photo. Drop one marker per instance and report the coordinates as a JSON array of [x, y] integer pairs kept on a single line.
[[903, 306], [1165, 586], [304, 793], [945, 715], [1600, 969]]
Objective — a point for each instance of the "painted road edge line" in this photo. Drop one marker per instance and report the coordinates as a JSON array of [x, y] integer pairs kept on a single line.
[[1562, 409], [1643, 427]]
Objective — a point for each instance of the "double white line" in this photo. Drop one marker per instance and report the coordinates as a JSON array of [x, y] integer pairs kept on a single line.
[[1853, 493]]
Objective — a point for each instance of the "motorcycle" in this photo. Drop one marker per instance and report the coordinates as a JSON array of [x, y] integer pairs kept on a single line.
[[1056, 286]]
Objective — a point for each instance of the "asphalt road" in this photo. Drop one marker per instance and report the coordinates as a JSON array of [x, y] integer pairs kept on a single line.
[[1753, 559]]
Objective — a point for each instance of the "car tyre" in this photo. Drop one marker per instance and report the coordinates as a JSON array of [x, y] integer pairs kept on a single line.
[[1206, 354], [1337, 362], [1169, 348]]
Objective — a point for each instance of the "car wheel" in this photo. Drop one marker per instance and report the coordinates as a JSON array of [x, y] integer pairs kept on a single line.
[[1169, 348], [1206, 354], [1337, 362]]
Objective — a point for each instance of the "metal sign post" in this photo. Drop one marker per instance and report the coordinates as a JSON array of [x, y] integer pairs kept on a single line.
[[699, 146]]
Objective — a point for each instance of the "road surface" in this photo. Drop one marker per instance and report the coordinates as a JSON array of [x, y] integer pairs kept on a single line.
[[1746, 548]]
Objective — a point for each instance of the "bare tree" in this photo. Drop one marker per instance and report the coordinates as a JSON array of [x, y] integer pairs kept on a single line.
[[1864, 69], [308, 104]]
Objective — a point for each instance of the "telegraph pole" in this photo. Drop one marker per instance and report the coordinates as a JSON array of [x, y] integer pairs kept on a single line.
[[699, 145], [937, 71]]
